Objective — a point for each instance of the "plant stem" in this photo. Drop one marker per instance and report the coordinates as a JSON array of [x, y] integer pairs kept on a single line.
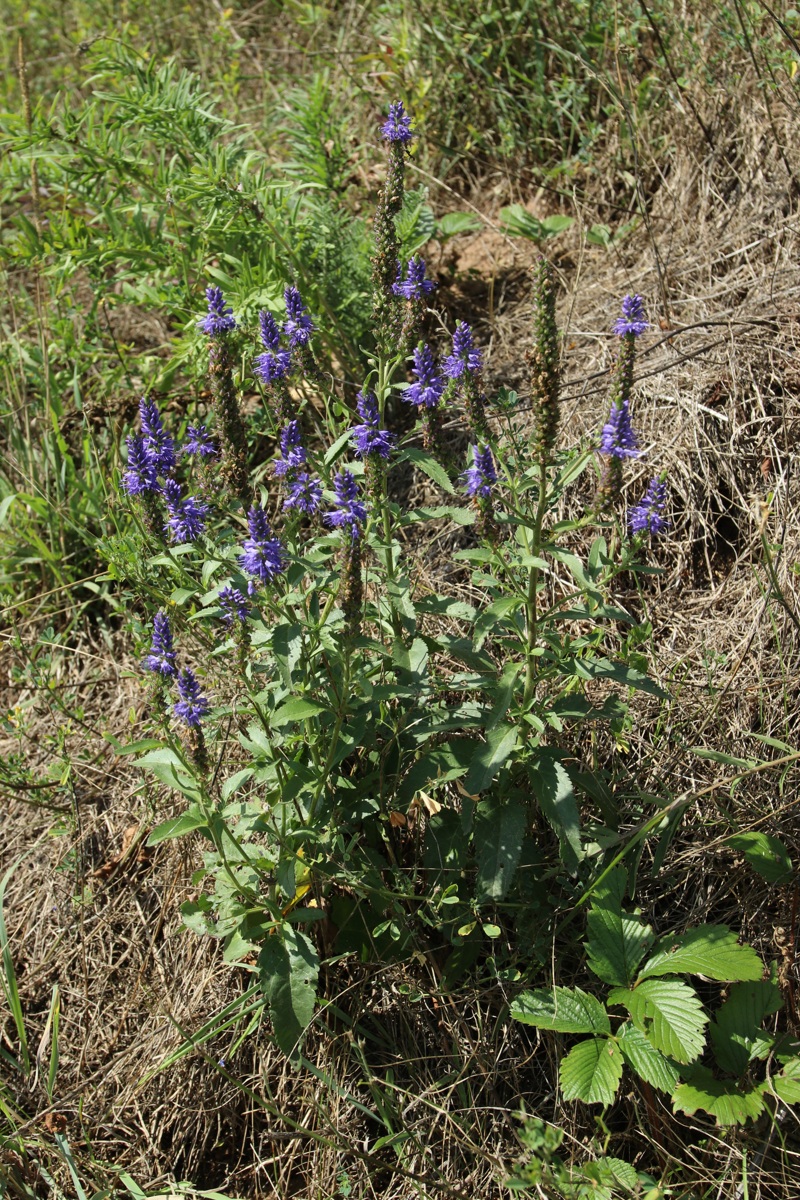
[[531, 615]]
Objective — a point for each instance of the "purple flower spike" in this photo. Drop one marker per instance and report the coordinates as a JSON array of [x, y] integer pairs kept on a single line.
[[263, 556], [233, 604], [369, 438], [192, 706], [157, 442], [274, 364], [199, 441], [415, 286], [481, 476], [161, 658], [187, 518], [220, 317], [141, 473], [292, 453], [398, 126], [305, 494], [426, 392], [632, 319], [618, 439], [350, 513], [647, 517], [298, 325], [465, 356]]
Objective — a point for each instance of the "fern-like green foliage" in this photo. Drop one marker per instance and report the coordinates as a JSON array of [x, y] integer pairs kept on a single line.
[[663, 1037]]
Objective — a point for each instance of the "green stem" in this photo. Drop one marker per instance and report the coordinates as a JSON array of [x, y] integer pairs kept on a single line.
[[531, 614], [334, 741]]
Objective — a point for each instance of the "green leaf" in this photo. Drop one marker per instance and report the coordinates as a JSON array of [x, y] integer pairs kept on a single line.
[[499, 833], [171, 770], [297, 708], [287, 646], [670, 1015], [616, 941], [709, 950], [454, 223], [426, 463], [489, 757], [552, 787], [591, 1071], [648, 1063], [603, 668], [736, 1032], [765, 854], [518, 222], [565, 1010], [288, 970], [187, 822], [557, 223], [727, 1103], [785, 1085]]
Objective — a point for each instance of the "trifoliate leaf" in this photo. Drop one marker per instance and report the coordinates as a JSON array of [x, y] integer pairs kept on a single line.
[[616, 941], [566, 1010], [709, 950], [648, 1063], [591, 1071], [670, 1015], [723, 1099]]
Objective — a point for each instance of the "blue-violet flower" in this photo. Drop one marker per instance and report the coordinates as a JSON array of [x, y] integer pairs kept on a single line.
[[647, 517], [192, 706], [274, 363], [298, 325], [292, 452], [397, 128], [141, 473], [161, 658], [426, 392], [263, 555], [157, 442], [465, 356], [305, 494], [480, 477], [199, 441], [350, 511], [618, 438], [415, 285], [369, 438], [632, 319], [186, 519], [233, 604], [220, 317]]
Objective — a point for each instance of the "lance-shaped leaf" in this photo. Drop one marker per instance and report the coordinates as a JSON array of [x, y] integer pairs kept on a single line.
[[709, 950], [616, 941], [670, 1015], [288, 968], [553, 789], [499, 834], [591, 1071], [566, 1010]]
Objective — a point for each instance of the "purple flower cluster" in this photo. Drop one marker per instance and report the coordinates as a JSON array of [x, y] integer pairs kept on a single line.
[[647, 517], [618, 439], [141, 475], [298, 325], [350, 512], [465, 357], [368, 438], [275, 363], [263, 555], [192, 705], [199, 441], [482, 475], [233, 604], [633, 320], [219, 318], [292, 453], [415, 286], [187, 517], [305, 494], [397, 128], [426, 391], [157, 442]]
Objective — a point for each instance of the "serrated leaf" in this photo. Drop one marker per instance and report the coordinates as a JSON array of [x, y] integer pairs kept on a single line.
[[591, 1071], [670, 1015], [785, 1085], [428, 464], [764, 853], [610, 1174], [499, 833], [709, 950], [722, 1099], [287, 646], [616, 941], [565, 1010], [736, 1032], [648, 1063], [288, 970], [552, 787], [489, 757]]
